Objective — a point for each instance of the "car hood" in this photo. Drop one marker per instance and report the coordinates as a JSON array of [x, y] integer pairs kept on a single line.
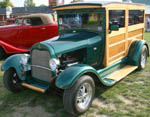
[[73, 41]]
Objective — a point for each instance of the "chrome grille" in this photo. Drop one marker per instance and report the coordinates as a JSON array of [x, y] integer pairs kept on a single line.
[[40, 58]]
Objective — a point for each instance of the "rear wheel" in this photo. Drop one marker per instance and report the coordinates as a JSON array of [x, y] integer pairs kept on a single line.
[[143, 58], [11, 81], [79, 97], [2, 53]]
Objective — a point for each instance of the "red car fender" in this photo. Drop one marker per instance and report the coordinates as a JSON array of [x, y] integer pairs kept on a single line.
[[9, 49]]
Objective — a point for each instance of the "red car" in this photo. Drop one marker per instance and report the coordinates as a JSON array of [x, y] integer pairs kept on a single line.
[[26, 31]]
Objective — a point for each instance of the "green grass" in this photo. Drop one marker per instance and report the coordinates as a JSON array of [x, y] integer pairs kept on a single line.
[[129, 97]]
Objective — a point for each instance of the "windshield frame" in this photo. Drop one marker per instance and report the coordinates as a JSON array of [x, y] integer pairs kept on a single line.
[[81, 11]]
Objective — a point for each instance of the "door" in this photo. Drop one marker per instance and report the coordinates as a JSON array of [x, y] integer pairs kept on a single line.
[[10, 34], [116, 40], [33, 31]]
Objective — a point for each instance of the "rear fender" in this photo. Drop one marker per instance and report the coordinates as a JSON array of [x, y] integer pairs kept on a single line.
[[68, 77], [135, 50]]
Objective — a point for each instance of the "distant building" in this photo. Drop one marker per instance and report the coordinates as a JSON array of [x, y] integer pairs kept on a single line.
[[2, 16], [147, 12], [96, 1], [31, 10], [56, 2], [18, 11], [128, 1]]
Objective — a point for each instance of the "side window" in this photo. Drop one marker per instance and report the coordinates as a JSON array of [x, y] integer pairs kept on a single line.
[[33, 21], [117, 17], [36, 21], [136, 17], [27, 22], [18, 21]]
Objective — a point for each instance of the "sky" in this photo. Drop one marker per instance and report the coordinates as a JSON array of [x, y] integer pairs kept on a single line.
[[20, 3]]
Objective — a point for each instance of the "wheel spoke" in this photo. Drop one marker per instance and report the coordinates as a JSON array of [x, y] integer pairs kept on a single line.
[[84, 95], [14, 75], [83, 90], [143, 59]]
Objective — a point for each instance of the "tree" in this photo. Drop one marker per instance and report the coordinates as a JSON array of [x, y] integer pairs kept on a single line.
[[73, 1], [42, 5], [6, 3], [29, 3]]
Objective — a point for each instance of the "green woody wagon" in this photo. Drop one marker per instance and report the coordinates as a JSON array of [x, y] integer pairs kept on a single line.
[[98, 43]]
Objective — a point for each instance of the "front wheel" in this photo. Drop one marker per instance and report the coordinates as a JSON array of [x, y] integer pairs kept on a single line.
[[143, 58], [79, 97], [11, 81]]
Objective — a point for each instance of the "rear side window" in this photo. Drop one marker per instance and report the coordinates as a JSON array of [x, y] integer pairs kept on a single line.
[[117, 17], [33, 21], [136, 17], [36, 21]]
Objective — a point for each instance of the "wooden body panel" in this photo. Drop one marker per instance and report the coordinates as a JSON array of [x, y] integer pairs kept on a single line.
[[118, 42], [122, 72], [115, 39]]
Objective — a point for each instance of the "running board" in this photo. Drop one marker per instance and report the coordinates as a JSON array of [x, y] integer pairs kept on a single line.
[[33, 87], [120, 74]]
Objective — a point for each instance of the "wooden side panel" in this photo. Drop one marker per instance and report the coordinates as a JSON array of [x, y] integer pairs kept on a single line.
[[116, 39], [117, 57], [139, 37], [135, 32], [129, 43], [118, 42], [124, 5], [106, 58], [135, 27], [117, 45], [113, 51]]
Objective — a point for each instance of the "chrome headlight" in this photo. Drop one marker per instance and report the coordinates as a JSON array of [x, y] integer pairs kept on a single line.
[[24, 59], [53, 64]]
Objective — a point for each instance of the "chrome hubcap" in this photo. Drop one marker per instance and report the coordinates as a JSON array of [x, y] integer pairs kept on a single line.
[[143, 59], [84, 96]]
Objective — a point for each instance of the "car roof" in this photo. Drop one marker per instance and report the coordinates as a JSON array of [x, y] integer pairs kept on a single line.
[[46, 18], [97, 4]]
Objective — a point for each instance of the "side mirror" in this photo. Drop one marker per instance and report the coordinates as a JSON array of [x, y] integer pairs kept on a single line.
[[114, 27]]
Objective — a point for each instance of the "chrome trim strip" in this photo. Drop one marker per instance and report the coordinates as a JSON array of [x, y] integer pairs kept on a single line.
[[41, 67]]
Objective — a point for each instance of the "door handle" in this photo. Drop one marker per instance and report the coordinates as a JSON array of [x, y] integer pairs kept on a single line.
[[43, 28]]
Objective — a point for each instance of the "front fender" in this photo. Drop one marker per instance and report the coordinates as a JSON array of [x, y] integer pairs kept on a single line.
[[12, 49], [68, 77], [135, 50], [13, 62]]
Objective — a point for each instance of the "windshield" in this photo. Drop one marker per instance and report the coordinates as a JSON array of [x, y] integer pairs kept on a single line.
[[18, 21], [91, 21]]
